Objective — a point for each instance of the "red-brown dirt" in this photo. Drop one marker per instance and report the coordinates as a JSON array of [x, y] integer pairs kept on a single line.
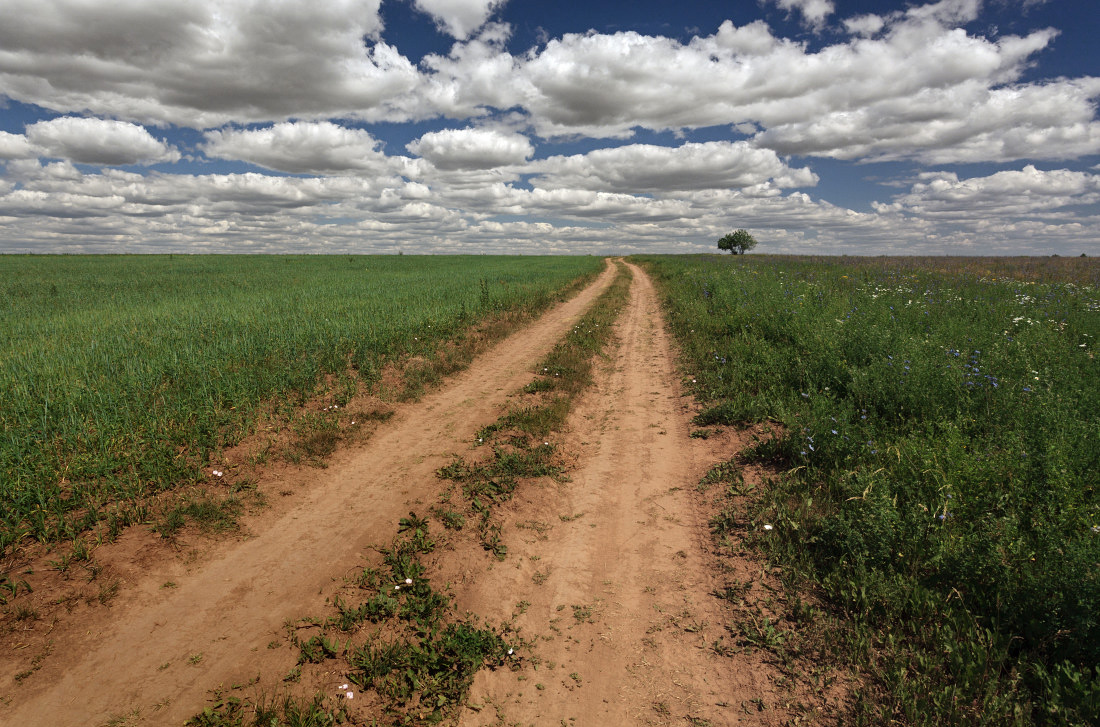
[[611, 570]]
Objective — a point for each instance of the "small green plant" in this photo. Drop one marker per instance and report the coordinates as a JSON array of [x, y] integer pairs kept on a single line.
[[317, 649], [9, 589]]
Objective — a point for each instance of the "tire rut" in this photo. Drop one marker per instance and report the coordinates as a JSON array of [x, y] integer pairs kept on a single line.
[[159, 652]]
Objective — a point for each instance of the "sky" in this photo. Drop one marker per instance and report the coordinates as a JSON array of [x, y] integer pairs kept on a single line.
[[958, 127]]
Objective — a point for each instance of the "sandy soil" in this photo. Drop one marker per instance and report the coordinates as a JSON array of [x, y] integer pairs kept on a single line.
[[610, 571], [157, 651]]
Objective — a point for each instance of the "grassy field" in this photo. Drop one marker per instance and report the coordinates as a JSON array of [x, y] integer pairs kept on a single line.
[[938, 465], [119, 376]]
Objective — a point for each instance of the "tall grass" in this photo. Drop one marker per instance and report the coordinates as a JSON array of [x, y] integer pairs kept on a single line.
[[941, 464], [120, 375]]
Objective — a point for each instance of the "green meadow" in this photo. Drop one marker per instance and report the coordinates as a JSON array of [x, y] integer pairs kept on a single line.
[[936, 467], [121, 375]]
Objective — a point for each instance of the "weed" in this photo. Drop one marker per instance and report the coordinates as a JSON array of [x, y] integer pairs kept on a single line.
[[25, 612], [451, 519], [265, 712], [317, 649], [107, 592], [582, 614], [9, 589], [937, 443], [734, 593]]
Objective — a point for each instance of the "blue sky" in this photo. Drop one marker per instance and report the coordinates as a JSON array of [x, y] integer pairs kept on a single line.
[[960, 127]]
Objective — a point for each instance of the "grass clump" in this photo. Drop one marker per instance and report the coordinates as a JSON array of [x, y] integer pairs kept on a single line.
[[516, 440], [939, 457], [284, 711]]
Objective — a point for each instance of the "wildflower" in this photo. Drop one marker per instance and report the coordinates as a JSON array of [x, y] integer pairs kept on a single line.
[[350, 695], [342, 687], [397, 588], [1096, 529], [408, 581], [767, 527], [833, 431], [216, 473], [511, 651]]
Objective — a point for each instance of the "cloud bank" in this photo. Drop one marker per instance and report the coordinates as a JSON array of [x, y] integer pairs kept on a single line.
[[587, 141]]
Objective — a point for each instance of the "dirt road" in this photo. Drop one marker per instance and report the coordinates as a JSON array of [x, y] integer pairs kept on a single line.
[[153, 657], [609, 570]]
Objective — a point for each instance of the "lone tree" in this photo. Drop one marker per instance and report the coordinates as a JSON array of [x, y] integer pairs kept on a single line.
[[738, 242]]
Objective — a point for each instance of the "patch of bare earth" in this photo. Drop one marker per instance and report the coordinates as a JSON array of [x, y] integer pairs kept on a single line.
[[145, 638], [611, 575]]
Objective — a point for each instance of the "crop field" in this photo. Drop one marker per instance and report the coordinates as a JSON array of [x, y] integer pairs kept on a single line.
[[119, 376], [936, 465]]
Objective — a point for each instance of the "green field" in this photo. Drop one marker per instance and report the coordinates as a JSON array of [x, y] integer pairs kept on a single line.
[[936, 469], [120, 375]]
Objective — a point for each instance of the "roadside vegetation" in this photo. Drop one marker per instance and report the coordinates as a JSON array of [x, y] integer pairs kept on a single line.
[[516, 446], [404, 654], [121, 376], [936, 451]]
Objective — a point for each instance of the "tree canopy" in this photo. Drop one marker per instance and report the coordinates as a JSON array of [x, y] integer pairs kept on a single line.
[[738, 242]]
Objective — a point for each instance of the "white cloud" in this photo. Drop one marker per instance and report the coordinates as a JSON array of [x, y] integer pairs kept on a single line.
[[865, 25], [870, 93], [452, 149], [813, 12], [1007, 194], [966, 123], [57, 207], [646, 168], [302, 147], [15, 146], [913, 86], [203, 62], [98, 141], [459, 18]]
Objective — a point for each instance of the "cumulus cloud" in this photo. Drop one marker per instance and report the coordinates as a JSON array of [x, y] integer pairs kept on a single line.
[[98, 141], [813, 12], [965, 123], [203, 62], [865, 96], [1003, 194], [267, 81], [459, 18], [58, 206], [907, 84], [15, 146], [647, 168], [865, 25], [452, 149], [302, 147]]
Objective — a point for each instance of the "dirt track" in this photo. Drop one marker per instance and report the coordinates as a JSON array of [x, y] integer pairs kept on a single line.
[[612, 565]]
